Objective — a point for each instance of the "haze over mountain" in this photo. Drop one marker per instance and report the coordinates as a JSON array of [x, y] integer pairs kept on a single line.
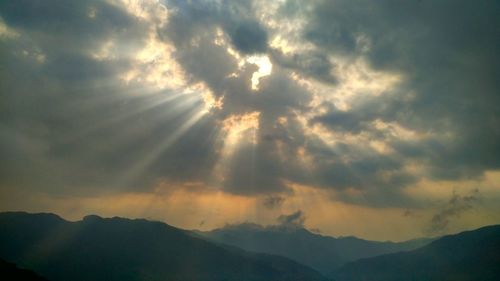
[[467, 256], [323, 253], [112, 249], [133, 250]]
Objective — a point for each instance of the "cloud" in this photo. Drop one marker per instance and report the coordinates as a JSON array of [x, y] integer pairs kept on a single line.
[[273, 201], [454, 209], [69, 118], [252, 168], [364, 99], [447, 57], [311, 64], [296, 219], [95, 113], [249, 37]]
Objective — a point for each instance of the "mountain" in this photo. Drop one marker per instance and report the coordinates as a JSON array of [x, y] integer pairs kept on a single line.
[[10, 272], [131, 250], [323, 253], [467, 256]]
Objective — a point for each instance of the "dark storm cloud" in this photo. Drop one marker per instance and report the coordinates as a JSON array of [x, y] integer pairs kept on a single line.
[[249, 37], [64, 28], [365, 109], [69, 124], [448, 54], [376, 178], [69, 120], [252, 169], [260, 169], [236, 18]]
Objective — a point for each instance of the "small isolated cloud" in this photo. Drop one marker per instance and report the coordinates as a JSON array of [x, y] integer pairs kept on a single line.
[[273, 201], [296, 219], [454, 209]]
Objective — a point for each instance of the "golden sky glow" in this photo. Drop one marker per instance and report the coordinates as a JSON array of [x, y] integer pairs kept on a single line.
[[196, 206]]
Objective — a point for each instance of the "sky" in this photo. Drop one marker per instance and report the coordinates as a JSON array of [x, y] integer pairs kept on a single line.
[[378, 119]]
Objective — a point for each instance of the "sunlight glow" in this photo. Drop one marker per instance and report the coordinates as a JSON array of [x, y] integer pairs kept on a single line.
[[6, 32], [155, 65], [211, 102], [265, 69], [237, 125], [106, 52], [236, 130], [146, 10]]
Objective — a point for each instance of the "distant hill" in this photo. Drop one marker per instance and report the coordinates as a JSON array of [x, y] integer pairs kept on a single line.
[[467, 256], [10, 272], [323, 253], [131, 250]]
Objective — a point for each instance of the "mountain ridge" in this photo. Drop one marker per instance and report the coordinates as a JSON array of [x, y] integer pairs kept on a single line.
[[10, 271], [297, 243], [465, 256], [111, 249]]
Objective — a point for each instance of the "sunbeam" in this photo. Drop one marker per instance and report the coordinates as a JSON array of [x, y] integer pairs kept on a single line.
[[144, 104], [156, 152], [237, 130]]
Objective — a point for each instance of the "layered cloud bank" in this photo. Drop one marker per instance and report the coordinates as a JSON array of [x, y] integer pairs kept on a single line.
[[223, 111]]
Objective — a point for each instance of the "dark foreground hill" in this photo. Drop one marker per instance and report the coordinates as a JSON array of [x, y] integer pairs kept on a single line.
[[467, 256], [131, 250], [10, 272], [323, 253]]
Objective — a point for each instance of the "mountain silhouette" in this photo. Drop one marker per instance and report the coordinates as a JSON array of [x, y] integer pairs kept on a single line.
[[467, 256], [323, 253], [10, 272], [128, 250]]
